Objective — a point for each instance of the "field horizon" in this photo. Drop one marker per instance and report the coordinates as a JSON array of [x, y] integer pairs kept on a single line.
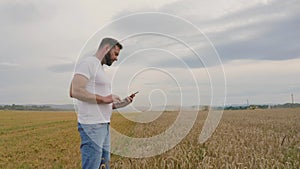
[[261, 138]]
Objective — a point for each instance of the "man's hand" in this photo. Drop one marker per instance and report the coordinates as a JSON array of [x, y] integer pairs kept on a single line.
[[116, 98], [122, 103]]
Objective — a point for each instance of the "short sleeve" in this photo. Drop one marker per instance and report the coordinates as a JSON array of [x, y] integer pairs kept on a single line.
[[83, 68]]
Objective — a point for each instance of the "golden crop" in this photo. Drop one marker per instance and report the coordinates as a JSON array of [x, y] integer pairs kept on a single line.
[[244, 139]]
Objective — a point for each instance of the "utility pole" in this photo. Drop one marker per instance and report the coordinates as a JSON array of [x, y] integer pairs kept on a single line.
[[292, 99]]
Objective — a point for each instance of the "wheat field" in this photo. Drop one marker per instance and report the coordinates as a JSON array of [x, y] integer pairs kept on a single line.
[[266, 138]]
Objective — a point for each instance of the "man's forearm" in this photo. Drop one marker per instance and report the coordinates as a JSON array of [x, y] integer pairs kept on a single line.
[[121, 103], [84, 95]]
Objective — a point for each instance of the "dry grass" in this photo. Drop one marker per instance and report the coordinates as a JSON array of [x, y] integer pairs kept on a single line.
[[38, 140], [243, 139]]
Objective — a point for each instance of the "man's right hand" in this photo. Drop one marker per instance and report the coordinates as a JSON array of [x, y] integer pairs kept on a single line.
[[116, 98]]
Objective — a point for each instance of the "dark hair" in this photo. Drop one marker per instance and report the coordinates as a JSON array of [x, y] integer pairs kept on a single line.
[[112, 42]]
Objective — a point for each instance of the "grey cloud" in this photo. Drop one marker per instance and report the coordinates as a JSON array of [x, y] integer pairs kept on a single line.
[[271, 38], [190, 62], [148, 22], [23, 12], [19, 76], [288, 7], [150, 84], [62, 68], [32, 84], [157, 55], [8, 65], [279, 41]]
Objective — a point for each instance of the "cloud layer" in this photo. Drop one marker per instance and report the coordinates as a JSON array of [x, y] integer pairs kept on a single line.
[[257, 41]]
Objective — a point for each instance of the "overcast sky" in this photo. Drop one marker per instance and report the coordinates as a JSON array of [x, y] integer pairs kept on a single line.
[[175, 52]]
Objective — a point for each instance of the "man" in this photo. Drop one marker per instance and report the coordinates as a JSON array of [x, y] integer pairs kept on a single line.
[[94, 103]]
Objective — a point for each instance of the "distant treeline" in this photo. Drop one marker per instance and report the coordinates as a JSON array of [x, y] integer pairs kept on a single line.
[[235, 107], [246, 107], [25, 107], [286, 105]]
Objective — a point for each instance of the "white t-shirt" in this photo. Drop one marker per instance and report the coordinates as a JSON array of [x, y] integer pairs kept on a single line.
[[99, 83]]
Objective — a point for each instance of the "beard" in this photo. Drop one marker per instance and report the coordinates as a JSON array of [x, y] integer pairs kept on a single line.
[[108, 60]]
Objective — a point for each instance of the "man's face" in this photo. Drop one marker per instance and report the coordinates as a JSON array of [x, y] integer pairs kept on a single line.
[[112, 55]]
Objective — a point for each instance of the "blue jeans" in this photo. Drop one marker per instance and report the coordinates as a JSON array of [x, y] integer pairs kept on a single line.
[[95, 145]]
